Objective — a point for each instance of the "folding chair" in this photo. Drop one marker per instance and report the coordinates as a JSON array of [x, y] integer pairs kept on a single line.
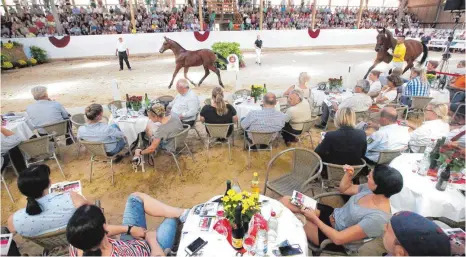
[[418, 105], [306, 131], [219, 131], [258, 138]]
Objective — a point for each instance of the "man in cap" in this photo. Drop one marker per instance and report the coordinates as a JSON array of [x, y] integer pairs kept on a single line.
[[410, 234], [399, 52]]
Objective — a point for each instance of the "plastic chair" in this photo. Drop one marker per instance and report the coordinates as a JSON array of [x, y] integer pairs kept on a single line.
[[387, 156], [180, 146], [39, 149], [97, 150], [51, 240], [362, 116], [216, 131], [335, 173], [306, 131], [341, 250], [60, 129], [78, 120], [241, 93], [418, 105], [259, 138], [400, 109], [117, 104], [306, 167]]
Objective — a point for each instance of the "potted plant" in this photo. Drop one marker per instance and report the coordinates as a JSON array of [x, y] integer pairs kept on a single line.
[[335, 84], [257, 91], [136, 102], [249, 202]]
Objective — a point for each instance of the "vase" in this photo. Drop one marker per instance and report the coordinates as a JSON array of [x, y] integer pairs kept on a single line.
[[136, 106]]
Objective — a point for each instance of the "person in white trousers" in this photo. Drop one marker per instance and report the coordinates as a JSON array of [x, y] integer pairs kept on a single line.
[[258, 46]]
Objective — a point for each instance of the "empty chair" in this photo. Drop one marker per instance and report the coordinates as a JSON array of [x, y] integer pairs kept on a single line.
[[219, 131], [418, 105], [335, 173], [306, 167], [243, 93], [58, 130], [257, 139], [115, 105]]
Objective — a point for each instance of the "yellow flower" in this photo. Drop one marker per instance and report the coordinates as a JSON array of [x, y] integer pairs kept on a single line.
[[231, 192], [225, 198], [7, 65], [245, 206], [234, 205], [237, 198], [22, 62], [33, 61], [243, 211], [8, 45], [226, 207]]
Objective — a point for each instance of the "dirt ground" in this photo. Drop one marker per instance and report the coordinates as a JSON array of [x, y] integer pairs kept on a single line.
[[80, 82]]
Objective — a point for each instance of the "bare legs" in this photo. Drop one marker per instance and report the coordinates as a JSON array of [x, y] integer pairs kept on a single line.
[[155, 208], [310, 228]]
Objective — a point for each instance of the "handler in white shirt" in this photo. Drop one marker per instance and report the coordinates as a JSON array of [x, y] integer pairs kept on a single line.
[[186, 104], [258, 47], [436, 126], [122, 51], [390, 136], [374, 81]]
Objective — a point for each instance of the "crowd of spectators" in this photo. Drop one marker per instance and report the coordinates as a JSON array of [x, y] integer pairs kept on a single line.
[[35, 22]]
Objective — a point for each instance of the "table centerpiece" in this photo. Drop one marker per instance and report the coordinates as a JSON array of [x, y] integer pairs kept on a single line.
[[257, 91], [334, 84], [250, 204], [135, 102]]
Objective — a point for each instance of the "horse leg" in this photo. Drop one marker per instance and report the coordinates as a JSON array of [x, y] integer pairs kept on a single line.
[[372, 67], [177, 69], [207, 72], [186, 69], [217, 71], [409, 66]]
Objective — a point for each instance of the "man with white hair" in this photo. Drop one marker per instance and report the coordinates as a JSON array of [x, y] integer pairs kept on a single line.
[[299, 111], [186, 104], [45, 111]]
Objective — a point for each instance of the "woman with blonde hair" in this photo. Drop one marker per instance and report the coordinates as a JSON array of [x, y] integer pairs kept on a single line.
[[434, 127], [219, 112], [169, 127], [304, 79]]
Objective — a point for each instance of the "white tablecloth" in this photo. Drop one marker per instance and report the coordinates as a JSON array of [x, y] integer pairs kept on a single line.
[[289, 228], [243, 109], [21, 128], [419, 194], [440, 96], [131, 127]]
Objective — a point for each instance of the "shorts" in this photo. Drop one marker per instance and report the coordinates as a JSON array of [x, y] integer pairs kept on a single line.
[[135, 215], [398, 65]]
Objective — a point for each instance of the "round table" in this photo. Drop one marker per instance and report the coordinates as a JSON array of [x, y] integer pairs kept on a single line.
[[131, 127], [21, 128], [419, 194], [244, 108], [289, 228]]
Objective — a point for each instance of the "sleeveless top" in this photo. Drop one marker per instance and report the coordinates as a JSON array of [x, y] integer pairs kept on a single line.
[[123, 248], [57, 209]]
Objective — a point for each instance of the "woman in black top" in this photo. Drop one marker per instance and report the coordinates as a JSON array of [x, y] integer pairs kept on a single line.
[[219, 112], [346, 145]]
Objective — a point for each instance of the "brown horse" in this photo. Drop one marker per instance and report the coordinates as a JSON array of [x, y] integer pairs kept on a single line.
[[186, 59], [385, 41]]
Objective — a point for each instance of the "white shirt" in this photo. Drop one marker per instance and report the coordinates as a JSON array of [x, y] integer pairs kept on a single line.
[[390, 95], [432, 129], [376, 86], [359, 102], [390, 137], [186, 105], [299, 113], [121, 46]]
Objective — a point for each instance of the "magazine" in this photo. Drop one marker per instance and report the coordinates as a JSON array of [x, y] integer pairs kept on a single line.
[[209, 209], [205, 224], [66, 186], [299, 199], [457, 240], [5, 241]]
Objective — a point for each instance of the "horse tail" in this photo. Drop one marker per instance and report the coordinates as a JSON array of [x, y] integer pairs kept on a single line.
[[425, 51], [223, 59]]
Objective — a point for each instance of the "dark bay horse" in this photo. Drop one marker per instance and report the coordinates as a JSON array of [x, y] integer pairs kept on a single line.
[[385, 41], [185, 59]]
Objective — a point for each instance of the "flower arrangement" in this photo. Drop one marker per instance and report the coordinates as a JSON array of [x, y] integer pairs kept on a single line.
[[8, 45], [431, 78], [136, 102], [33, 61], [455, 156], [22, 63], [257, 91], [334, 83], [249, 202], [7, 65]]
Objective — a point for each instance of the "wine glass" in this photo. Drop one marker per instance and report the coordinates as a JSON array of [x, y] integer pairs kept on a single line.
[[248, 243]]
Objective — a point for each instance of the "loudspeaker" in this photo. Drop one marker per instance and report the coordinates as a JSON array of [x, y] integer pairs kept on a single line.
[[454, 5]]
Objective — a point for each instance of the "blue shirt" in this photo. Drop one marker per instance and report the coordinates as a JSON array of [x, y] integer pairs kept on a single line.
[[45, 112], [100, 132], [265, 120], [416, 87]]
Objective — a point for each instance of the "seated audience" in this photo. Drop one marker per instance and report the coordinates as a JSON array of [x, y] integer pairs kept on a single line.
[[375, 85], [458, 83], [388, 93], [417, 86], [89, 234], [346, 145], [96, 131], [44, 212], [267, 119], [186, 104], [457, 136], [45, 111], [363, 216], [395, 72], [219, 112], [304, 79], [359, 102], [410, 234], [10, 151], [299, 111], [390, 135], [435, 126], [169, 127], [431, 66]]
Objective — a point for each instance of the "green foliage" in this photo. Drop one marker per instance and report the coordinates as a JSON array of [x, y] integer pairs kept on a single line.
[[17, 44], [227, 48], [39, 54], [4, 58]]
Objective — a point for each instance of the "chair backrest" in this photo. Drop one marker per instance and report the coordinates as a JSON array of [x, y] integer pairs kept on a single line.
[[362, 116], [165, 98], [241, 93], [335, 172], [262, 138], [78, 120], [57, 129], [306, 163], [400, 109], [37, 146], [96, 148], [50, 240], [420, 102], [386, 157], [307, 126], [180, 138], [218, 130], [118, 105]]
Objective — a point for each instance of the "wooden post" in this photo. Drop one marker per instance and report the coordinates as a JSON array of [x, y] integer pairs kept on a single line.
[[360, 14], [400, 14], [201, 19], [314, 11], [261, 9], [131, 10]]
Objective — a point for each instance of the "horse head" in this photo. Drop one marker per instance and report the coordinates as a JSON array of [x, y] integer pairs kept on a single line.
[[383, 40], [165, 46]]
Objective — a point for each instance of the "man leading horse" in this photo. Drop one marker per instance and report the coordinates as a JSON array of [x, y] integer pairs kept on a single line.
[[412, 48]]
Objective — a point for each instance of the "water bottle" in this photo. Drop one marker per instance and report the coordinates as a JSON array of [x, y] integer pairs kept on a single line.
[[261, 243], [273, 227], [425, 162], [235, 186]]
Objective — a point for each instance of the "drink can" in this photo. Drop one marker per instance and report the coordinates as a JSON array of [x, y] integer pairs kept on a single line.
[[261, 243]]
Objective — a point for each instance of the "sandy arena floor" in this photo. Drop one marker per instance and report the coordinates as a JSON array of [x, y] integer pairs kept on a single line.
[[80, 82]]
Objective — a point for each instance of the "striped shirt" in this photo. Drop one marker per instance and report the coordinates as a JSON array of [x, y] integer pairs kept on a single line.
[[266, 120], [123, 248], [416, 87]]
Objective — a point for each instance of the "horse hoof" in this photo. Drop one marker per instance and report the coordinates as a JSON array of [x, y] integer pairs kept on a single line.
[[169, 86]]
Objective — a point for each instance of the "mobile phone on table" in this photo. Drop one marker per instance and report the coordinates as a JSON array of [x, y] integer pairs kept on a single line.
[[290, 250], [195, 246]]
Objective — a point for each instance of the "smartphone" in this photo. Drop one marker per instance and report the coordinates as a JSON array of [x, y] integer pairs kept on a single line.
[[290, 250], [195, 246]]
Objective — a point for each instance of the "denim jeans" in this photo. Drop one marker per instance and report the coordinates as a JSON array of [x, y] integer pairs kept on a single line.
[[119, 145], [134, 215]]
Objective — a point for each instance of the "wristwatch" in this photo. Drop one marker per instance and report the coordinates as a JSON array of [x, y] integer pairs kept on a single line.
[[129, 230]]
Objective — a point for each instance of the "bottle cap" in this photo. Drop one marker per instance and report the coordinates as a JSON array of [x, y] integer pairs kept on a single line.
[[255, 174], [273, 214], [220, 213]]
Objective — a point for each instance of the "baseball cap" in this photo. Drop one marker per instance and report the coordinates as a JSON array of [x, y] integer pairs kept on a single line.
[[420, 236]]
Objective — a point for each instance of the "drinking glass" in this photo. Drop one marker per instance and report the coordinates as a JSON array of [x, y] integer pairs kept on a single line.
[[248, 244]]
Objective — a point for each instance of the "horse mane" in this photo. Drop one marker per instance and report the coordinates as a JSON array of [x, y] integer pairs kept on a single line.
[[182, 48], [390, 38]]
